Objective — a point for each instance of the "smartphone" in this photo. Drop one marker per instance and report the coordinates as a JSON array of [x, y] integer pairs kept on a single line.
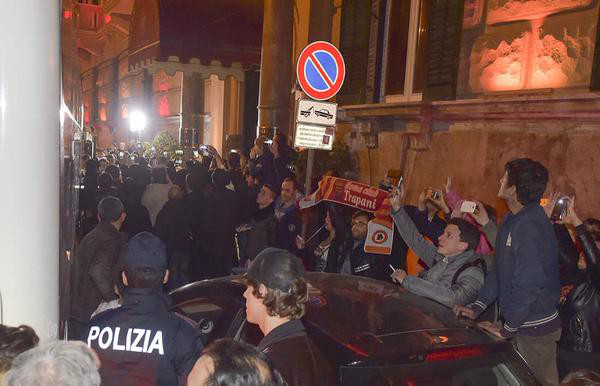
[[433, 194], [468, 207], [560, 208]]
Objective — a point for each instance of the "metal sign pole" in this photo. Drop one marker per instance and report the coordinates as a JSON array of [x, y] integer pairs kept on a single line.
[[308, 182]]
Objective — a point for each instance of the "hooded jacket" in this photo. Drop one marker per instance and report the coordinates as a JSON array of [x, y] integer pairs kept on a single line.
[[436, 282]]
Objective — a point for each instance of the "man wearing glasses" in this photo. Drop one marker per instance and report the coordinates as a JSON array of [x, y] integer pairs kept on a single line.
[[352, 259]]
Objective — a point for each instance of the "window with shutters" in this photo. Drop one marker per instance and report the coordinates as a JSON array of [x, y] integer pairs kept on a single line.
[[354, 46], [405, 61]]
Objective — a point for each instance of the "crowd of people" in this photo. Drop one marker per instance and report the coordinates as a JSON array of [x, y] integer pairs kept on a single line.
[[521, 269], [152, 225]]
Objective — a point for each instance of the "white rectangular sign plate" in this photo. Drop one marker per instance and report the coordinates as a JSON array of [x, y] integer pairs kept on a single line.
[[316, 113], [314, 136]]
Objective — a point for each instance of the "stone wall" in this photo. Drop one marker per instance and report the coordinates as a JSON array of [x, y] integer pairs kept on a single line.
[[474, 154]]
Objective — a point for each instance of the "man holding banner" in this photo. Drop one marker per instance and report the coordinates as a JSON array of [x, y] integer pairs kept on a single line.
[[372, 227], [354, 260]]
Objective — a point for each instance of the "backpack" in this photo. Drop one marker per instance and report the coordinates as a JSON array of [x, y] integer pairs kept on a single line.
[[475, 263]]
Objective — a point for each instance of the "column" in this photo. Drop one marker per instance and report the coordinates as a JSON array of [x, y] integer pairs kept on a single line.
[[276, 70], [232, 111], [29, 163], [192, 113], [320, 22]]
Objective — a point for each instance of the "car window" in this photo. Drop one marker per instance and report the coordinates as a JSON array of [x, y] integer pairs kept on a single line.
[[502, 369], [213, 316], [250, 333]]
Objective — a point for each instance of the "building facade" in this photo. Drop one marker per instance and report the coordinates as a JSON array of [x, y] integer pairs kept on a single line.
[[457, 88], [184, 64]]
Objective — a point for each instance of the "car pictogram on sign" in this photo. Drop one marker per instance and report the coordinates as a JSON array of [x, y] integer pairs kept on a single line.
[[324, 113]]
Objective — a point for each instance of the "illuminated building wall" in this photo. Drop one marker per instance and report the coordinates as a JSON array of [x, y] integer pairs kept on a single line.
[[531, 44]]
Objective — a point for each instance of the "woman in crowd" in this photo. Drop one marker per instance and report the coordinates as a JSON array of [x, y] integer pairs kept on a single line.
[[580, 307], [13, 341]]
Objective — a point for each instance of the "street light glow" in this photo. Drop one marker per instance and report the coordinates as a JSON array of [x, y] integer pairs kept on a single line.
[[137, 121]]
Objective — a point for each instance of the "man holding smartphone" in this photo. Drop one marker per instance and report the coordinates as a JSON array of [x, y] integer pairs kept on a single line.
[[453, 276], [525, 279]]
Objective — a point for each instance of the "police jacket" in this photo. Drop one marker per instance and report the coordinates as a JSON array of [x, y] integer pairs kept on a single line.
[[296, 356], [580, 312], [525, 278], [142, 343]]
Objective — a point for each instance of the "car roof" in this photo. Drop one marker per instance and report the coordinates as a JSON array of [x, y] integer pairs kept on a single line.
[[370, 317]]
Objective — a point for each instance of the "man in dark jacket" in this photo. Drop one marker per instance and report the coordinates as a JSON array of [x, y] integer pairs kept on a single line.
[[223, 209], [286, 212], [173, 228], [141, 342], [197, 205], [525, 278], [278, 278], [262, 224], [353, 260], [138, 218], [93, 267]]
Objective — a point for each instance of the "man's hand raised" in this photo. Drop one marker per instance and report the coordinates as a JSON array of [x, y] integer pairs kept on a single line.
[[396, 198], [480, 214]]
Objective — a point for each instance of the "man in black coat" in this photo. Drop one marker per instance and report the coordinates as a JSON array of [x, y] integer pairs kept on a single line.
[[223, 214], [288, 220], [353, 260], [95, 263], [262, 224], [173, 228]]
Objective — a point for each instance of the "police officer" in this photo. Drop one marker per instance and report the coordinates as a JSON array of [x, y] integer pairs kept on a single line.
[[141, 342]]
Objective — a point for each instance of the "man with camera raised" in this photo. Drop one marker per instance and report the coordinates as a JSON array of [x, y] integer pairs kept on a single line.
[[454, 276]]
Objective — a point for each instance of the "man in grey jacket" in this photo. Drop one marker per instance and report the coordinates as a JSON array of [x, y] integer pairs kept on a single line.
[[455, 252]]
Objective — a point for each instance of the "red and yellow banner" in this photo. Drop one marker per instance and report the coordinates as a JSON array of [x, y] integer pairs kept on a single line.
[[364, 197]]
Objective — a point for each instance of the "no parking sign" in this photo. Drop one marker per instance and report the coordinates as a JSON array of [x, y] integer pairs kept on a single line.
[[321, 70]]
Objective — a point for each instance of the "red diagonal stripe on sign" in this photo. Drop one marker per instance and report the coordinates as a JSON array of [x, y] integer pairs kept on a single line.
[[321, 70]]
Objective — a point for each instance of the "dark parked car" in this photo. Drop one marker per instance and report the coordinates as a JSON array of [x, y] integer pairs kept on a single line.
[[374, 333]]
